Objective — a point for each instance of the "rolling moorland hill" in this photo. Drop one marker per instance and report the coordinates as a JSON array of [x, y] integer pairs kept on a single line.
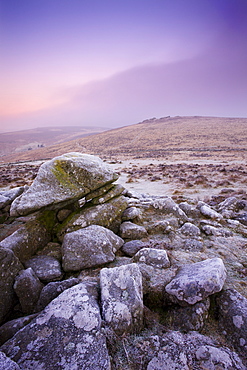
[[26, 140], [168, 137]]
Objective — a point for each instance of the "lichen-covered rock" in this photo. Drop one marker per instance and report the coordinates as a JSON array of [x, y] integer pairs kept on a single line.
[[9, 329], [242, 218], [115, 191], [228, 207], [186, 358], [168, 206], [233, 317], [129, 230], [131, 213], [6, 363], [197, 281], [27, 287], [47, 268], [99, 192], [192, 245], [7, 196], [153, 282], [176, 351], [52, 290], [154, 257], [64, 178], [132, 247], [121, 298], [215, 231], [105, 215], [159, 227], [10, 266], [209, 212], [190, 229], [24, 241], [188, 318], [89, 247], [66, 335], [189, 210]]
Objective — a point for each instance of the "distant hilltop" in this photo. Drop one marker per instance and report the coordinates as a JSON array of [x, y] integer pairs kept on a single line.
[[164, 137]]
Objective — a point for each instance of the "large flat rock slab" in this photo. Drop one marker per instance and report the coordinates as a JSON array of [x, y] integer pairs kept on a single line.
[[70, 176], [197, 281]]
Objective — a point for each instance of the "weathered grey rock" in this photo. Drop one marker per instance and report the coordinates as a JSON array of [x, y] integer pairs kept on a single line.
[[63, 214], [9, 329], [176, 351], [205, 357], [189, 210], [168, 206], [153, 282], [47, 268], [212, 357], [129, 230], [6, 197], [193, 245], [242, 218], [4, 201], [66, 335], [52, 290], [190, 229], [132, 247], [89, 247], [10, 266], [209, 212], [159, 227], [24, 241], [27, 287], [228, 207], [64, 178], [215, 231], [121, 298], [98, 192], [52, 250], [106, 215], [157, 258], [197, 281], [233, 318], [115, 191], [131, 213], [188, 318], [6, 363]]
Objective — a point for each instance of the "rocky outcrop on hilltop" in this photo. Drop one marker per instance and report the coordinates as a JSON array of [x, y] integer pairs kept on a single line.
[[96, 277]]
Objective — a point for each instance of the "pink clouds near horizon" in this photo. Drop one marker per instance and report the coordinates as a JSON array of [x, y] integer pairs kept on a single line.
[[114, 63]]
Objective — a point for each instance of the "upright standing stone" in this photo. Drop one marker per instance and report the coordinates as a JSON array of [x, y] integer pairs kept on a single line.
[[121, 297]]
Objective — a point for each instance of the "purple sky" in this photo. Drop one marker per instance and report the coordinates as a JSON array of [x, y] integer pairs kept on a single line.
[[117, 62]]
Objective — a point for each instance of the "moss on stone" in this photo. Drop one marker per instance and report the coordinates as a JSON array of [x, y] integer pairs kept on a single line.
[[47, 219], [62, 175]]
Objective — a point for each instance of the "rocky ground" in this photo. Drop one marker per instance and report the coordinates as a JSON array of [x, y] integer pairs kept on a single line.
[[111, 277]]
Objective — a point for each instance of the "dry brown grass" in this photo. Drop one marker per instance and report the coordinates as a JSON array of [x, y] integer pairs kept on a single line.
[[169, 138]]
